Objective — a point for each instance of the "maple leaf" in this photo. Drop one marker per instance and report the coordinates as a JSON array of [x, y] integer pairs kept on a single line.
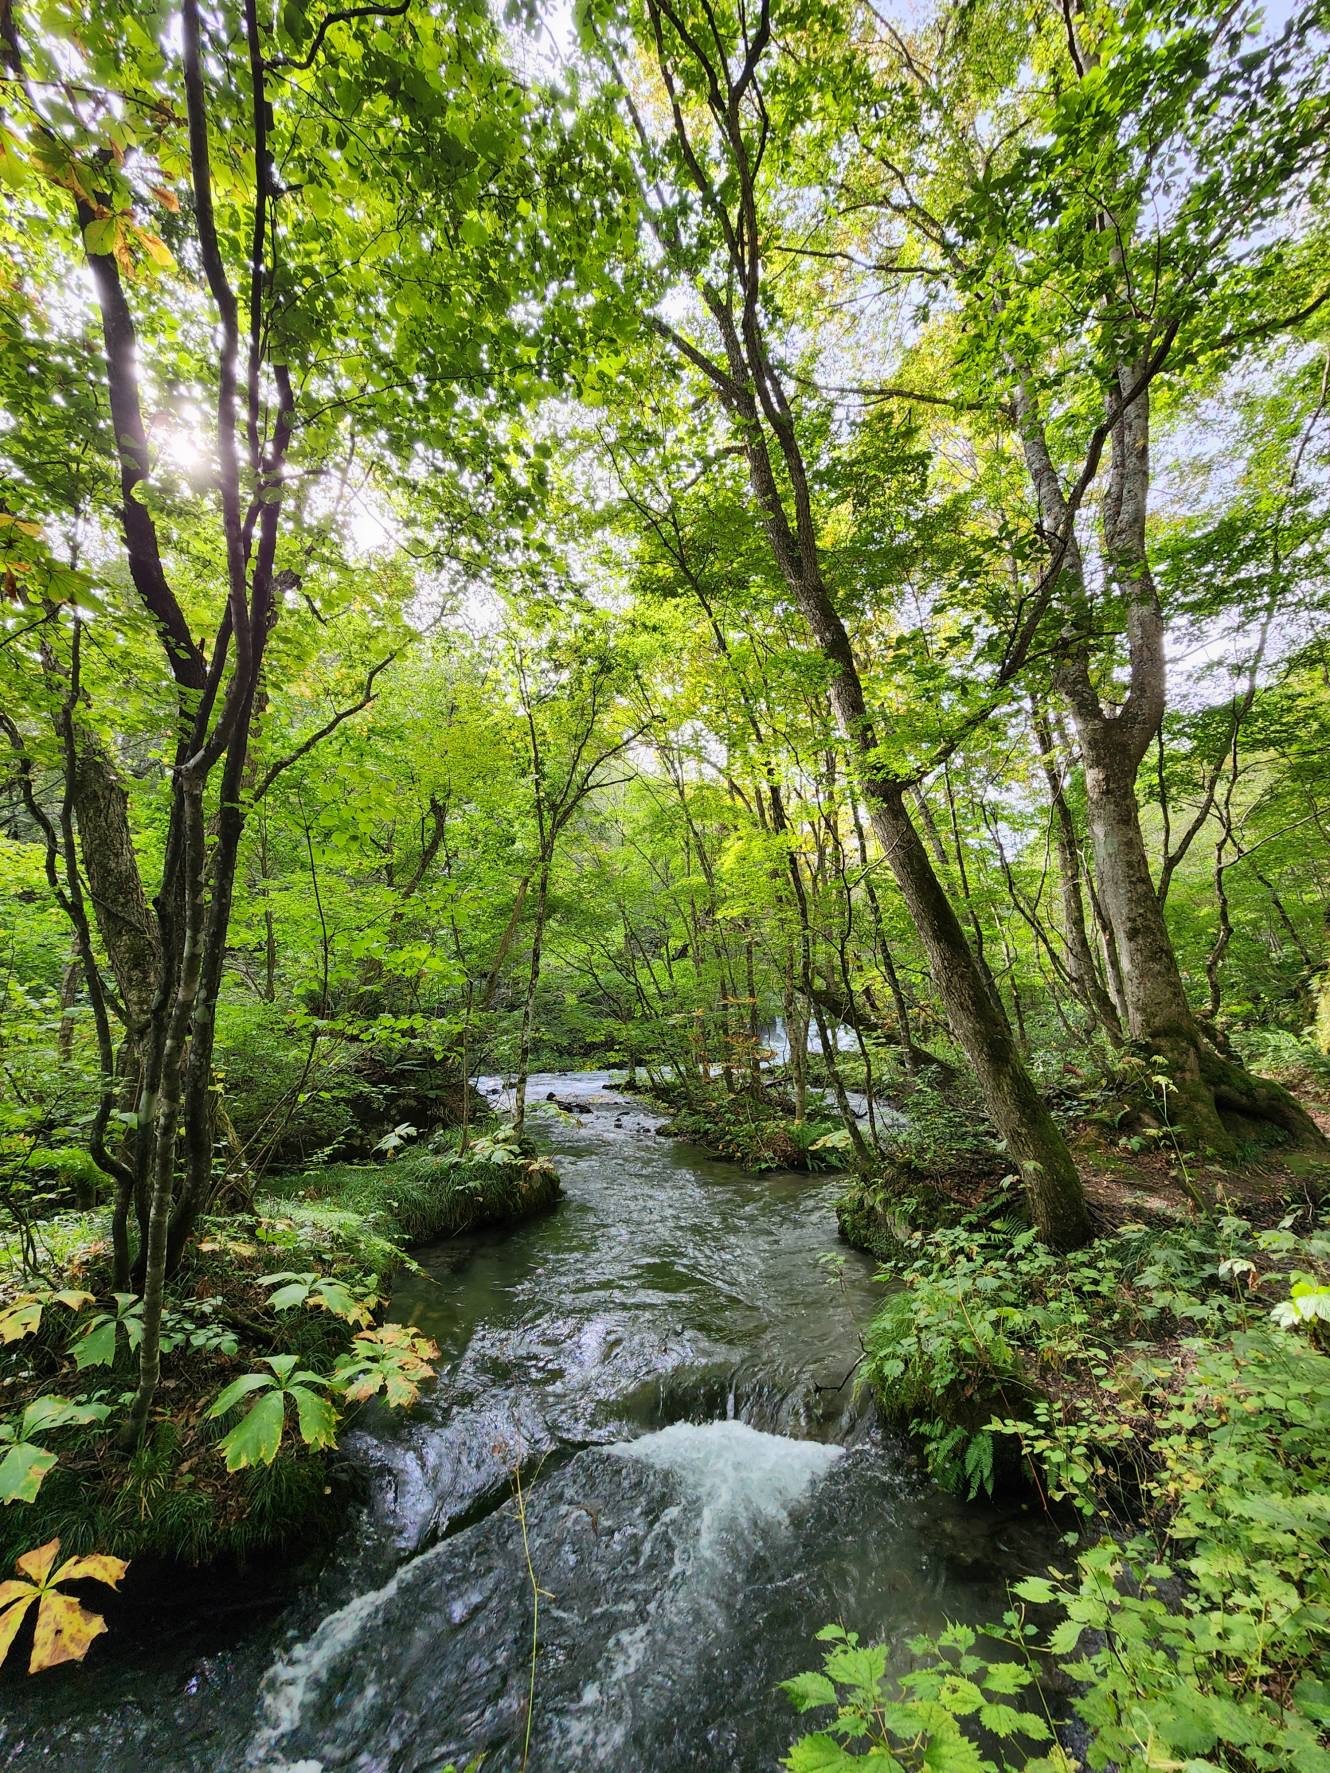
[[65, 1628]]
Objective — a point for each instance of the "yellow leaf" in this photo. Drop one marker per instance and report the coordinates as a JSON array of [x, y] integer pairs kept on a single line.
[[98, 1567], [21, 1319], [23, 524], [157, 250], [10, 1621], [37, 1564], [166, 197], [65, 1628], [65, 1631]]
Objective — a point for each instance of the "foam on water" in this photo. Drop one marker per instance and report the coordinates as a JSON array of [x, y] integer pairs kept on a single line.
[[297, 1676], [737, 1483], [736, 1473]]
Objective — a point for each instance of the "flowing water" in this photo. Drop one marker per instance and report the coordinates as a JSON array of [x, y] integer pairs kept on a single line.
[[646, 1410]]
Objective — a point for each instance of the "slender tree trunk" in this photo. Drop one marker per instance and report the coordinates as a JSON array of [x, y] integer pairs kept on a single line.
[[69, 990], [913, 1055], [1036, 1146], [529, 1001], [1081, 968], [167, 1109], [1151, 994], [749, 385]]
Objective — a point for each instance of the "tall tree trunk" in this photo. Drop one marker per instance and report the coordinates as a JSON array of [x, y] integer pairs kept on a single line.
[[750, 387], [978, 1021], [115, 885], [167, 1105], [1036, 1147], [1154, 1005]]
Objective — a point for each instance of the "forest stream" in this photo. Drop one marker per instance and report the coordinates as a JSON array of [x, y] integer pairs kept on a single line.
[[669, 1362]]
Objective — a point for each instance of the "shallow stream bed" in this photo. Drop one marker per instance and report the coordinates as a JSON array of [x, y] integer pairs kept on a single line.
[[645, 1408]]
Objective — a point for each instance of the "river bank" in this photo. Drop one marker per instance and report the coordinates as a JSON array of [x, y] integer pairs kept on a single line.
[[281, 1305]]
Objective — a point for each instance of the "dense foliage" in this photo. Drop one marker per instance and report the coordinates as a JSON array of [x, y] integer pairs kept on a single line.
[[1174, 1389], [782, 547]]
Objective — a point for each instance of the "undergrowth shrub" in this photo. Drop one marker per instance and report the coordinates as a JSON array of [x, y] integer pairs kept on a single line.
[[1298, 1061], [1196, 1636], [68, 1363], [284, 1104], [757, 1131], [424, 1195]]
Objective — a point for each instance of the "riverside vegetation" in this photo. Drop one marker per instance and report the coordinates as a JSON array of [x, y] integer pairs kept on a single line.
[[536, 540]]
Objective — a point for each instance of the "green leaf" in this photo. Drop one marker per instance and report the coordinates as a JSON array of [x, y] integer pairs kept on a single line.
[[857, 1665], [45, 1413], [1035, 1588], [22, 1470], [805, 1691], [952, 1753], [256, 1437], [237, 1389], [96, 1347], [1006, 1677], [287, 1297], [316, 1416], [1065, 1636], [822, 1754], [1005, 1720], [101, 235]]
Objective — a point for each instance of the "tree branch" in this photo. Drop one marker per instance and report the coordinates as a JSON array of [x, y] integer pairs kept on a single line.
[[317, 738]]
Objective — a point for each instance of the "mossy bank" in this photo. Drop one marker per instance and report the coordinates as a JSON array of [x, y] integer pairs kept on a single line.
[[280, 1309]]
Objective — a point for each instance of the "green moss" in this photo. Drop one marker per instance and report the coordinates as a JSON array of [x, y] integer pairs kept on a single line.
[[421, 1197], [885, 1213], [872, 1219]]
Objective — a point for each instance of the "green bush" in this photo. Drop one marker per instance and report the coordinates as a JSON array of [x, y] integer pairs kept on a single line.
[[940, 1134], [1200, 1642], [1294, 1060], [68, 1359], [756, 1130], [277, 1106], [1197, 1637]]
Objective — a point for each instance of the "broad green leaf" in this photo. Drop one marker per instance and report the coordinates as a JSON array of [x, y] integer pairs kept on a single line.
[[861, 1666], [96, 1347], [316, 1417], [950, 1752], [809, 1690], [286, 1297], [52, 1411], [238, 1388], [822, 1754], [1035, 1588], [256, 1437], [22, 1470]]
